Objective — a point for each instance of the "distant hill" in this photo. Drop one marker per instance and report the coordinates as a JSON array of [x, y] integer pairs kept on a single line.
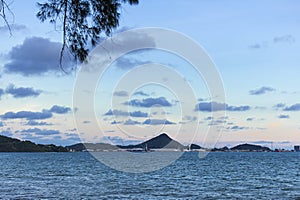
[[91, 147], [8, 144], [194, 147], [159, 142], [250, 147]]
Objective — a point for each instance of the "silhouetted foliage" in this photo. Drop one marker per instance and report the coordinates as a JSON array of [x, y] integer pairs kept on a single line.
[[83, 21], [4, 8]]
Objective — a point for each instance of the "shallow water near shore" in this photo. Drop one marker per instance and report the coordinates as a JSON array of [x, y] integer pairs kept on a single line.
[[220, 175]]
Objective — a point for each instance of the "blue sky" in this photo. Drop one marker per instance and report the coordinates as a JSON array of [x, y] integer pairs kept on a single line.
[[254, 45]]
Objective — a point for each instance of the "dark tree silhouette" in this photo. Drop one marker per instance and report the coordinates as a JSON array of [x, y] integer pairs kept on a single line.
[[4, 8], [82, 21]]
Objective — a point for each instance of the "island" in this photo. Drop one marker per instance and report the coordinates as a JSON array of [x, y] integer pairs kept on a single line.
[[161, 142], [8, 144]]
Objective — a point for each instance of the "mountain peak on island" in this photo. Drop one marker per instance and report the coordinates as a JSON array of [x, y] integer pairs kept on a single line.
[[162, 141]]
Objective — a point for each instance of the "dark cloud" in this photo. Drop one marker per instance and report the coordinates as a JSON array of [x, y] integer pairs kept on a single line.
[[36, 123], [149, 102], [210, 106], [124, 113], [138, 114], [22, 92], [131, 122], [1, 124], [215, 106], [141, 93], [157, 122], [86, 122], [38, 131], [283, 116], [255, 46], [216, 122], [36, 56], [238, 127], [116, 122], [208, 118], [238, 108], [295, 107], [279, 105], [29, 115], [121, 94], [262, 90], [249, 119], [59, 109], [284, 39]]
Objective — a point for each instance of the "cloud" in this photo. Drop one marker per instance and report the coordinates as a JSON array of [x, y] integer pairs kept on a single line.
[[124, 113], [121, 94], [149, 102], [126, 63], [134, 40], [190, 118], [249, 119], [235, 128], [6, 132], [1, 92], [138, 114], [36, 123], [284, 39], [131, 122], [255, 46], [36, 56], [295, 107], [238, 108], [116, 140], [59, 109], [215, 106], [13, 27], [141, 93], [216, 122], [86, 122], [157, 122], [210, 106], [29, 115], [208, 118], [262, 90], [38, 131], [279, 105], [22, 92], [116, 122], [283, 116]]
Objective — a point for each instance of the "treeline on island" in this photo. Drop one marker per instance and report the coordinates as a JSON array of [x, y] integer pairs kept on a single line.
[[8, 144]]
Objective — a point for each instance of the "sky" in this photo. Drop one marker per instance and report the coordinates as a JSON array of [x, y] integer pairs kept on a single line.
[[254, 46]]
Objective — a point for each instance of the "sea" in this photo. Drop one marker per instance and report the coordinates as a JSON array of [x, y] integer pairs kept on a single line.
[[218, 175]]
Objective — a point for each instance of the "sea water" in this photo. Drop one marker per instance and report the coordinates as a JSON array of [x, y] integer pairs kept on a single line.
[[219, 175]]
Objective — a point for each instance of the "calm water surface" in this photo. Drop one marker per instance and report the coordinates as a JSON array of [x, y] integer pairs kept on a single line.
[[217, 176]]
